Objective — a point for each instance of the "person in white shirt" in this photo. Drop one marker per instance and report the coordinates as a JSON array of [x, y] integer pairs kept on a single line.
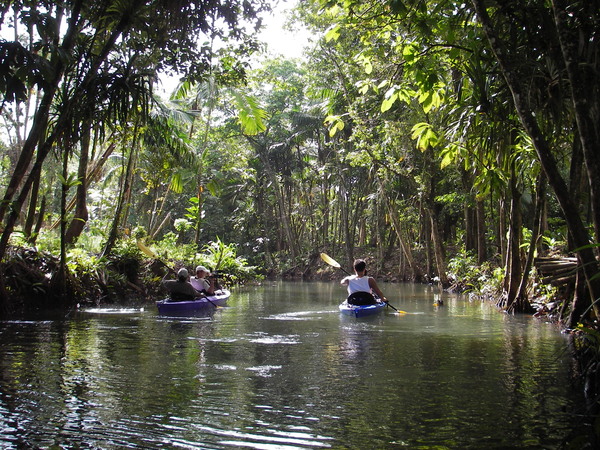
[[201, 283], [362, 287]]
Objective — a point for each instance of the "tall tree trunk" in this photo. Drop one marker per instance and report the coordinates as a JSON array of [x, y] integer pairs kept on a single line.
[[40, 121], [35, 137], [92, 175], [481, 232], [262, 213], [431, 212], [404, 245], [502, 228], [521, 303], [581, 238], [33, 200], [81, 213], [40, 220], [580, 303], [61, 279], [123, 198], [286, 227], [470, 224], [325, 229], [577, 180], [513, 254], [471, 218], [438, 249], [345, 224], [577, 32]]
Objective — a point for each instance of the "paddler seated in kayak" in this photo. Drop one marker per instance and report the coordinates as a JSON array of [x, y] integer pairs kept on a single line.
[[200, 283], [180, 290], [361, 287]]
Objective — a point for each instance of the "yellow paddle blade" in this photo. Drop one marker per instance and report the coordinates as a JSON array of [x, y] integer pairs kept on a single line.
[[329, 260], [146, 250]]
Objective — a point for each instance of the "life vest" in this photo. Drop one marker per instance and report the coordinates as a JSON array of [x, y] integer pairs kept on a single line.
[[361, 298]]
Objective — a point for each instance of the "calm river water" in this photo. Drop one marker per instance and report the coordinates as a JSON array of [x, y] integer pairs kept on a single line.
[[280, 368]]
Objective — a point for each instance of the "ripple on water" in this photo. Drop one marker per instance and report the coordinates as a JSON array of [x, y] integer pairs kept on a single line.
[[265, 436], [299, 315], [275, 339], [112, 310], [263, 371]]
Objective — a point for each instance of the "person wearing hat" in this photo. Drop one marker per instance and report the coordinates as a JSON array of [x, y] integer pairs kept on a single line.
[[180, 289], [200, 282]]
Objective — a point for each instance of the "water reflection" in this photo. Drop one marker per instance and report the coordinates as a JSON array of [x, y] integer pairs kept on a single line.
[[281, 368]]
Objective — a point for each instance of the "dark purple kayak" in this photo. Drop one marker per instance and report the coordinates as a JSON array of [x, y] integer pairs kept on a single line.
[[166, 306]]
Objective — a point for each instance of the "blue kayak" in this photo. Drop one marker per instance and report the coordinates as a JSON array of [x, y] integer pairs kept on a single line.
[[167, 306], [361, 310]]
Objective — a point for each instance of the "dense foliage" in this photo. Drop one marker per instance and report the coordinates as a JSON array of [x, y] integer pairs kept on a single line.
[[433, 135]]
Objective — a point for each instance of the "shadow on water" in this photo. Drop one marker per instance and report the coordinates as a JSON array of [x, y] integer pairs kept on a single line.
[[279, 367]]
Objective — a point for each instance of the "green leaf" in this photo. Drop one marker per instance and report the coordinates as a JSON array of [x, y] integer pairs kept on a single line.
[[363, 86], [410, 52], [448, 155], [250, 116], [333, 34], [71, 180], [335, 124], [177, 183], [214, 188], [388, 102], [425, 136]]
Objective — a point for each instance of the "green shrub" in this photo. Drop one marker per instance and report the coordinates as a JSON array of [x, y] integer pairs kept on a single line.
[[469, 276]]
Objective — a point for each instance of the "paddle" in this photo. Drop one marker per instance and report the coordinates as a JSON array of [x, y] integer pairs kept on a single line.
[[332, 262], [148, 251]]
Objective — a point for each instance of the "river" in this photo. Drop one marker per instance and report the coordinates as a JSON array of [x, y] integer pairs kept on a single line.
[[280, 368]]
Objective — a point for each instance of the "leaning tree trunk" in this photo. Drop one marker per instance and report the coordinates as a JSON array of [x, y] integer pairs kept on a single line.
[[581, 238], [404, 245], [577, 32], [40, 121], [30, 219], [36, 136], [35, 172]]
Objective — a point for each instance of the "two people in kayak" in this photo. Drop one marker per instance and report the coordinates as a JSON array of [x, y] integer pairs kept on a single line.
[[185, 289], [361, 287]]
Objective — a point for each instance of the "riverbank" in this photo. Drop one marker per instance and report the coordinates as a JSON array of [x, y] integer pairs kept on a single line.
[[32, 279]]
